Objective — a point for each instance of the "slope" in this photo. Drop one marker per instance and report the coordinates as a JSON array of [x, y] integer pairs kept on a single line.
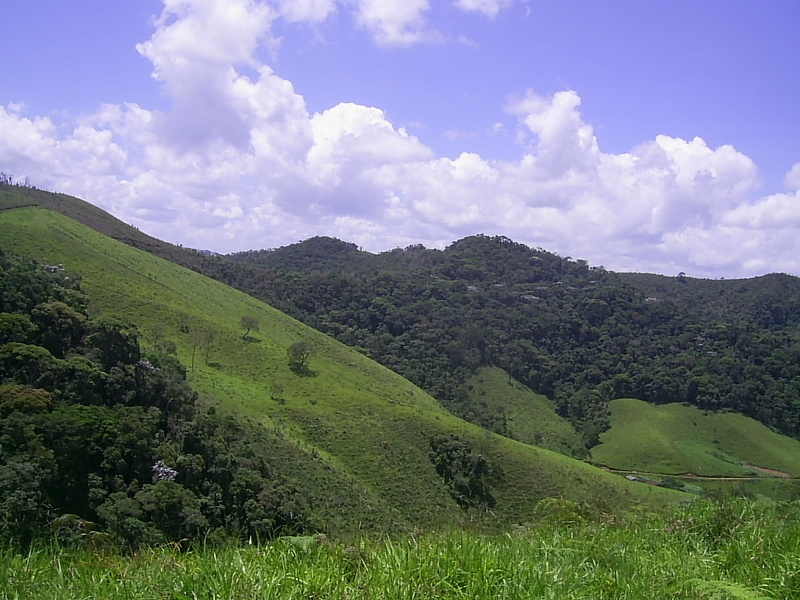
[[674, 439], [528, 417], [359, 434]]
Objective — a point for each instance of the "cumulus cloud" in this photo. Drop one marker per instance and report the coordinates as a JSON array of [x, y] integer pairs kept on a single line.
[[314, 11], [238, 162], [395, 22]]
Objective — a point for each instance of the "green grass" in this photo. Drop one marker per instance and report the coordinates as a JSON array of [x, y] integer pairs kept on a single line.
[[531, 417], [353, 435], [708, 551], [677, 439]]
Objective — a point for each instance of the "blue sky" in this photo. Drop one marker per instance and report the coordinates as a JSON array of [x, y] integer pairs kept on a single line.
[[640, 135]]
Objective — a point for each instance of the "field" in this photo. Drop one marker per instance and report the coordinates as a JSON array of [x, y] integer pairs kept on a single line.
[[675, 439], [715, 551]]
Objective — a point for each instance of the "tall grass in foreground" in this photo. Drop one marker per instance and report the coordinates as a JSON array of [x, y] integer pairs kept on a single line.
[[736, 549]]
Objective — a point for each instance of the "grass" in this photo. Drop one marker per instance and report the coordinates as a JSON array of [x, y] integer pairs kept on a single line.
[[531, 417], [675, 439], [705, 551]]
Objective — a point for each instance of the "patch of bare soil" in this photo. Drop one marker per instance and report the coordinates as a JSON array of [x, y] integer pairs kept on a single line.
[[768, 472]]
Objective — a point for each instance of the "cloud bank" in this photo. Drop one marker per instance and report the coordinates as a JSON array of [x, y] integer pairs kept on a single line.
[[238, 161]]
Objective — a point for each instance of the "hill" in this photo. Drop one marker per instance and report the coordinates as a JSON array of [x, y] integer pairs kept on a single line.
[[579, 335], [676, 439], [352, 435], [701, 452], [526, 416]]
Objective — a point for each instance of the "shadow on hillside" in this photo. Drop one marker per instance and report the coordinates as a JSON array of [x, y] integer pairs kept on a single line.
[[302, 370]]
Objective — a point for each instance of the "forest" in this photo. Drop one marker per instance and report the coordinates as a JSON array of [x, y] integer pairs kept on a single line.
[[581, 335], [102, 441]]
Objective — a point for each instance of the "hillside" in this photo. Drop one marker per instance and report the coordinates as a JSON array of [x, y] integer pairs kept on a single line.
[[579, 335], [525, 415], [675, 439], [351, 434]]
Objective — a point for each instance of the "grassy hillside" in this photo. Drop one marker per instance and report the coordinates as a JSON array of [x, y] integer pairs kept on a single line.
[[351, 433], [529, 417], [675, 439]]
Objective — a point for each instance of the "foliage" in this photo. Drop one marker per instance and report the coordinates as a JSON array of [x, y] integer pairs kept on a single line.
[[299, 354], [466, 474], [354, 438], [580, 335], [249, 323], [95, 431]]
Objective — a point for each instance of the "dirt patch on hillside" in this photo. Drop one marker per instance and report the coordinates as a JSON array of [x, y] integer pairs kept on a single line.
[[768, 472]]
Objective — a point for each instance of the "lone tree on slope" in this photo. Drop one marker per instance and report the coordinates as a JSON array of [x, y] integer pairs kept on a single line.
[[299, 353], [250, 323]]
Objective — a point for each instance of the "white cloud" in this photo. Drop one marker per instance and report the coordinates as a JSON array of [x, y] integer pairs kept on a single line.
[[314, 11], [395, 22], [793, 177], [490, 8], [238, 162]]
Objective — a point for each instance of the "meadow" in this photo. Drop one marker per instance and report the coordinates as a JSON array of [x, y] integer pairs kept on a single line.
[[706, 550], [676, 439]]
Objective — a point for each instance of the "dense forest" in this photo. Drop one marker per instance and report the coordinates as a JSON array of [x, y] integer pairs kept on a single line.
[[100, 439], [579, 334]]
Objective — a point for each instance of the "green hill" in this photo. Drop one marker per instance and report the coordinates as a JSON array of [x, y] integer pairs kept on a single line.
[[677, 439], [527, 416], [352, 434]]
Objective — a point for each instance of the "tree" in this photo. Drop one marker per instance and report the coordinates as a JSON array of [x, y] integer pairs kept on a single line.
[[299, 354], [466, 474], [114, 340], [60, 326], [15, 328], [250, 323], [24, 399]]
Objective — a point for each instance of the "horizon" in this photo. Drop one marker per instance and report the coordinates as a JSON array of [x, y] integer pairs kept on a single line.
[[645, 138]]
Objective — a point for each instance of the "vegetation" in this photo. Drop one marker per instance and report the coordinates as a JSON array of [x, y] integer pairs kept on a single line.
[[349, 445], [216, 475], [299, 354], [249, 323], [708, 551], [579, 335], [524, 415], [104, 439]]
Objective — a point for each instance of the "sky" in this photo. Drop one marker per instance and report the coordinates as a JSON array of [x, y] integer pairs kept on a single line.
[[640, 135]]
